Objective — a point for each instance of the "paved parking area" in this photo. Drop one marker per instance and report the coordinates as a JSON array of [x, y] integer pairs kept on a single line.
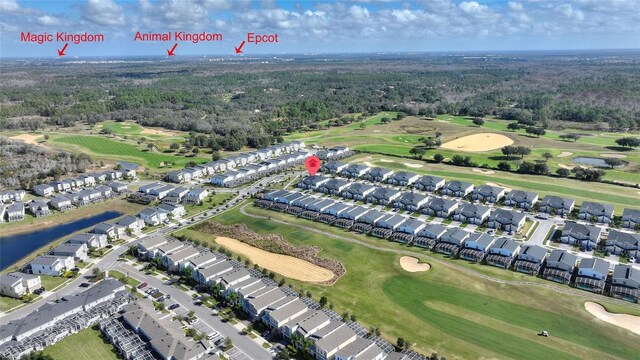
[[236, 354]]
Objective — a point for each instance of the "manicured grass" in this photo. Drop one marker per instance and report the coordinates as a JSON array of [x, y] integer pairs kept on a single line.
[[123, 278], [84, 345], [117, 150], [216, 199], [51, 282], [7, 303], [444, 310]]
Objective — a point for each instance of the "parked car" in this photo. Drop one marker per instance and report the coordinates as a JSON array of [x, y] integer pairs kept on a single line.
[[38, 291], [75, 269], [85, 285], [109, 246], [142, 286], [174, 306]]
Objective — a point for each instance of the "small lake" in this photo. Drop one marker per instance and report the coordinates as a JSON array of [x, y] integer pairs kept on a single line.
[[599, 162], [15, 247]]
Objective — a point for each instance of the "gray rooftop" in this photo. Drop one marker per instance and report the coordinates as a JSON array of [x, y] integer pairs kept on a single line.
[[599, 265]]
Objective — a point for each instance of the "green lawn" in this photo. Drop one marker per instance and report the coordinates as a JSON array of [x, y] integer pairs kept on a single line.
[[118, 150], [7, 303], [85, 345], [444, 310], [123, 278]]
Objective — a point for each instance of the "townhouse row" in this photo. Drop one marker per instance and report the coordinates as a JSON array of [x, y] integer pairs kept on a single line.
[[590, 211], [199, 172], [474, 246], [61, 202], [56, 320], [280, 308]]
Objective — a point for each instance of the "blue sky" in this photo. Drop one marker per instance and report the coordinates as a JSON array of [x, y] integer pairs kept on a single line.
[[325, 26]]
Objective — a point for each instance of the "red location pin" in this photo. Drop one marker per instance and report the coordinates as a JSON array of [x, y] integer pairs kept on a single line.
[[313, 164]]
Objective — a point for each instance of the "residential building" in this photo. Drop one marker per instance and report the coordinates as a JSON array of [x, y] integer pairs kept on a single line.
[[530, 259], [428, 236], [383, 196], [625, 283], [472, 213], [592, 274], [15, 212], [451, 241], [61, 203], [377, 174], [457, 188], [12, 195], [502, 252], [476, 246], [521, 199], [96, 241], [361, 349], [403, 178], [75, 250], [619, 243], [586, 236], [173, 211], [148, 246], [333, 186], [506, 220], [429, 183], [410, 201], [560, 265], [327, 346], [112, 231], [333, 167], [488, 193], [597, 212], [43, 190], [16, 284], [39, 208], [556, 205], [355, 170], [152, 216], [440, 207], [131, 224], [358, 191], [118, 187], [196, 195], [631, 219], [51, 265], [312, 182]]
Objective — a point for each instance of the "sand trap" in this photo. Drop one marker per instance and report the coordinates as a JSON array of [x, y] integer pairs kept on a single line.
[[629, 322], [125, 127], [487, 172], [478, 142], [506, 189], [386, 160], [284, 265], [412, 264], [28, 138], [162, 132], [613, 156], [564, 154], [368, 163], [415, 166]]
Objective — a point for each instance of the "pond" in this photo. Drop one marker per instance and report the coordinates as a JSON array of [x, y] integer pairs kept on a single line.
[[15, 247], [599, 162]]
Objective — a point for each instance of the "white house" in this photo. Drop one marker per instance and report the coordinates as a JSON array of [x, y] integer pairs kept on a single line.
[[75, 250], [51, 265], [43, 190], [196, 195], [153, 216], [97, 240], [17, 284]]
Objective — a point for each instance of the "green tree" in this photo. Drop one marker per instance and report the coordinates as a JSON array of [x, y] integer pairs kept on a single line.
[[438, 158], [613, 162], [546, 156], [323, 301], [478, 121]]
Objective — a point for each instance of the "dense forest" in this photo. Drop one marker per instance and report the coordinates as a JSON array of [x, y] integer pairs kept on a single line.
[[252, 102], [25, 165]]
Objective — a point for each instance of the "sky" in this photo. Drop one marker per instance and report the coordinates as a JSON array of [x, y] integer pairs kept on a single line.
[[322, 26]]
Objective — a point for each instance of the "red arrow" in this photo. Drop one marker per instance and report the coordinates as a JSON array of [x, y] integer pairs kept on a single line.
[[61, 52], [170, 52], [239, 48]]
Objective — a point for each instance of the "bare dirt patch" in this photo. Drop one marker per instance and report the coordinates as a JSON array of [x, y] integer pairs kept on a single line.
[[412, 264], [626, 321], [157, 131], [478, 142], [276, 245], [564, 154], [284, 265], [481, 171], [28, 138], [613, 156]]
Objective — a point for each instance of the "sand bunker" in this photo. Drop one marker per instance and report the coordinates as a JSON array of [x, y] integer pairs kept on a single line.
[[412, 264], [487, 172], [284, 265], [386, 160], [415, 166], [613, 156], [368, 163], [126, 127], [163, 132], [564, 154], [478, 142], [28, 138], [507, 189], [629, 322]]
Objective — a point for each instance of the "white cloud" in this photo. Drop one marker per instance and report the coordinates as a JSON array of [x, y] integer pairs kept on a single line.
[[515, 6], [9, 6], [48, 20], [103, 12]]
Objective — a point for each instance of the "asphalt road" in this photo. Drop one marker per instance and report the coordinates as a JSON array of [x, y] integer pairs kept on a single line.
[[244, 343]]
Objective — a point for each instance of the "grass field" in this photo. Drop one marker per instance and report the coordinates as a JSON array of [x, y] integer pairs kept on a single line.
[[398, 137], [84, 345], [454, 313]]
